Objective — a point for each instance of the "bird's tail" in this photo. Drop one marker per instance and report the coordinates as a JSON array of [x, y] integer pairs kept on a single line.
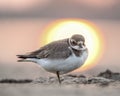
[[22, 58]]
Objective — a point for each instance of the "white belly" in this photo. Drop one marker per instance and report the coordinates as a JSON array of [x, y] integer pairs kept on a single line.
[[62, 65]]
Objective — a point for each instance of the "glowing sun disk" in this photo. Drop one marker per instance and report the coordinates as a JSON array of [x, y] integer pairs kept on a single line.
[[66, 28]]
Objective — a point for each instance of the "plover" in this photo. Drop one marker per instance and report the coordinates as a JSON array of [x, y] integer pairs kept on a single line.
[[60, 56]]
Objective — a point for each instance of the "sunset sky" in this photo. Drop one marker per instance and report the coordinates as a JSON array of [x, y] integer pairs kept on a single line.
[[23, 23]]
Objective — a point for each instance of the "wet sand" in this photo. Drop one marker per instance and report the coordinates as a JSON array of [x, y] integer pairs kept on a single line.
[[70, 90], [104, 84]]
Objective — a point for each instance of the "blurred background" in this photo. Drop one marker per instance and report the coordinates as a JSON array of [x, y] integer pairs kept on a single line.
[[23, 21]]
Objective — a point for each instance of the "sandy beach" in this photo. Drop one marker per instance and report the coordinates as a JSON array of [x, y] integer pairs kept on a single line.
[[73, 85]]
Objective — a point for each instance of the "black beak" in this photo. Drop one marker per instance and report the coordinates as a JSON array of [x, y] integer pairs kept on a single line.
[[81, 45]]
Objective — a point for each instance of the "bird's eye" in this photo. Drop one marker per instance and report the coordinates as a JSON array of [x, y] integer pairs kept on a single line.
[[74, 42]]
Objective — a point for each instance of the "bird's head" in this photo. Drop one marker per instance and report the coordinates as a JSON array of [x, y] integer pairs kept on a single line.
[[77, 42]]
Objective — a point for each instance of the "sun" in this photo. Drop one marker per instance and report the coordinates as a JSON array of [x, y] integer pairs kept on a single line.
[[65, 28]]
